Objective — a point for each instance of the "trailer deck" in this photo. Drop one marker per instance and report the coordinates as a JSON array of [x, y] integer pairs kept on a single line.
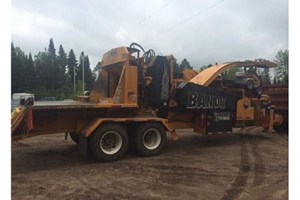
[[40, 105]]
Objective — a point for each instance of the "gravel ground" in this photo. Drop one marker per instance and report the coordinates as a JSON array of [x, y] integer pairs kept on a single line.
[[248, 164]]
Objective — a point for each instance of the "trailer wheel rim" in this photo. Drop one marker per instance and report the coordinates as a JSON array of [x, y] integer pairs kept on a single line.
[[111, 142], [151, 138]]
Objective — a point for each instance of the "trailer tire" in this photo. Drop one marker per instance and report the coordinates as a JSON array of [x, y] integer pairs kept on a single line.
[[109, 142], [284, 127], [150, 139], [74, 137]]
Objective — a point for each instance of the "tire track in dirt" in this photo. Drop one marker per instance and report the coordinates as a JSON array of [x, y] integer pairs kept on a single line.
[[241, 180], [259, 165], [176, 170]]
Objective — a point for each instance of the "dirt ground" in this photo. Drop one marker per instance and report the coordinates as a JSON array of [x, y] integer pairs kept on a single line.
[[248, 164]]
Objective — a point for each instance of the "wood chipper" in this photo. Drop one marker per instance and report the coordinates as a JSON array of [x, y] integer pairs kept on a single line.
[[139, 96]]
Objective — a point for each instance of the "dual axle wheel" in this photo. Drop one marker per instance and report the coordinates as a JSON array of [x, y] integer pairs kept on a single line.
[[110, 142]]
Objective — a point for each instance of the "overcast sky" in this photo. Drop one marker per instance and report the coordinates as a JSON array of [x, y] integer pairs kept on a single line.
[[203, 31]]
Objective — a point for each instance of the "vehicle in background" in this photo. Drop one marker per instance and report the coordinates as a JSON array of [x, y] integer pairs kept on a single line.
[[19, 96], [19, 99]]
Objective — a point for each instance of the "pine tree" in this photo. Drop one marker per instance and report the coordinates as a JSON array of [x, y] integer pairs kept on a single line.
[[266, 80], [88, 78], [205, 67], [96, 70], [30, 74], [79, 71], [274, 81], [185, 64], [72, 65], [62, 59], [51, 51], [15, 70], [55, 76], [18, 70], [44, 70]]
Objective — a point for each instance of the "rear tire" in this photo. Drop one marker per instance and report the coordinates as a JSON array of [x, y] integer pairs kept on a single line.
[[109, 142], [150, 139], [284, 127]]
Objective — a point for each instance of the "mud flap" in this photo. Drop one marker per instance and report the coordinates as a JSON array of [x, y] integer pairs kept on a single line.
[[82, 145]]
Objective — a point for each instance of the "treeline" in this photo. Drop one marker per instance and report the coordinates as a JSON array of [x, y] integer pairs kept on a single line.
[[281, 72], [49, 73]]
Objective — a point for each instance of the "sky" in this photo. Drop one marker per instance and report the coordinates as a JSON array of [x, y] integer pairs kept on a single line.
[[202, 31]]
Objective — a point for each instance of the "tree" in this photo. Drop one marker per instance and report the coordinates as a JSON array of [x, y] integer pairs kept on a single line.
[[185, 64], [51, 51], [17, 57], [96, 70], [62, 59], [205, 67], [230, 74], [79, 68], [29, 73], [88, 78], [265, 77], [44, 71], [177, 68], [282, 60], [48, 72], [22, 71], [45, 75], [275, 81], [72, 65]]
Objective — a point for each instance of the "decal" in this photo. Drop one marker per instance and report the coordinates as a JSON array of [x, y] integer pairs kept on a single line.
[[202, 100]]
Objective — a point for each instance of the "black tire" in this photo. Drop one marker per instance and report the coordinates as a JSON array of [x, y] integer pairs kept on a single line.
[[284, 127], [149, 139], [109, 142], [74, 137]]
